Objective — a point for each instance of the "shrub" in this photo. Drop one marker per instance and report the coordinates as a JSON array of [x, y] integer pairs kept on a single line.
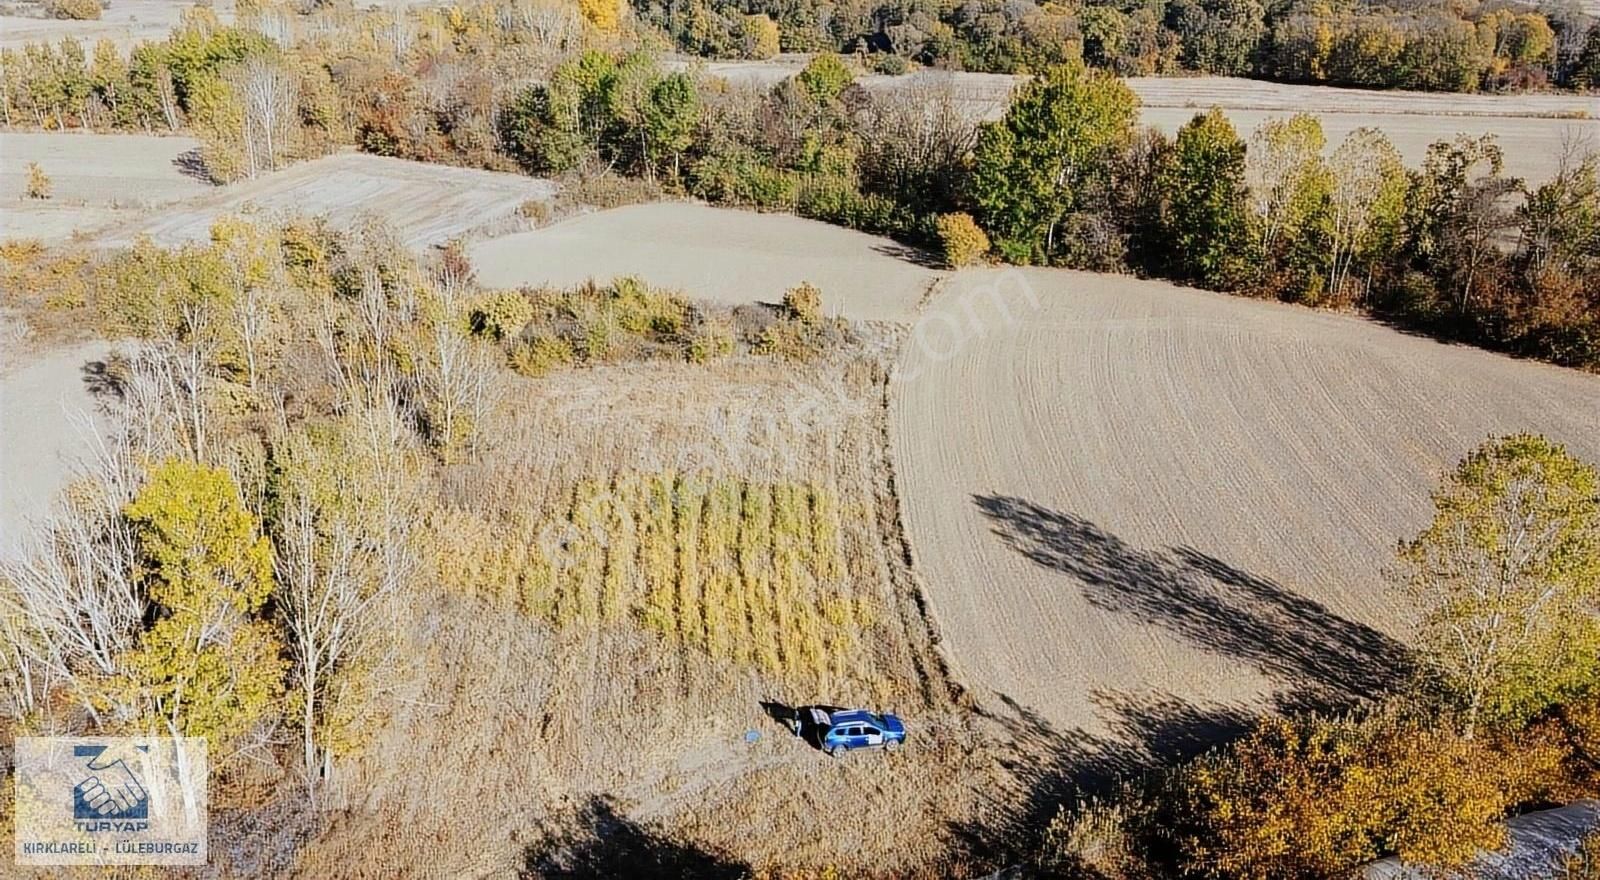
[[890, 64], [502, 315], [607, 190], [963, 242], [1317, 797], [536, 210], [743, 178], [39, 184], [79, 10], [1092, 840], [837, 199], [712, 339], [541, 356], [803, 302]]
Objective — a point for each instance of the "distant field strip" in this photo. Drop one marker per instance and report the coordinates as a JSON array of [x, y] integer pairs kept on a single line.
[[425, 204]]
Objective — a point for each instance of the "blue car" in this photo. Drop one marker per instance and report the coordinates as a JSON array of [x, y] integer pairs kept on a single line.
[[858, 729]]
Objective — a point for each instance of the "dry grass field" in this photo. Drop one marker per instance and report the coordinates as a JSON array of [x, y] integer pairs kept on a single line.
[[1129, 491], [715, 254], [665, 549], [97, 180], [425, 204]]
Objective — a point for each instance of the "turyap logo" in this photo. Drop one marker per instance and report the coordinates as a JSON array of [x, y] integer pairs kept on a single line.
[[110, 800], [112, 789]]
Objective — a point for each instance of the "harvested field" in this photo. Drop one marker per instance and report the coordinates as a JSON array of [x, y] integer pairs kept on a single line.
[[714, 254], [97, 180], [1532, 145], [425, 204], [123, 22], [49, 419], [1129, 491]]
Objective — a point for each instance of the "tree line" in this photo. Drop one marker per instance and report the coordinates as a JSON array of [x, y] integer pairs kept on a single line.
[[1436, 46]]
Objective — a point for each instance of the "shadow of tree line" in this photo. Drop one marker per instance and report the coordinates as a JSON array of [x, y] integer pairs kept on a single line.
[[1208, 603], [1326, 663], [596, 841]]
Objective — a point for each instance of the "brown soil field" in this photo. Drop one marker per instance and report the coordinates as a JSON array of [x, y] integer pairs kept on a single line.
[[124, 22], [1121, 490], [425, 204], [715, 254], [98, 180]]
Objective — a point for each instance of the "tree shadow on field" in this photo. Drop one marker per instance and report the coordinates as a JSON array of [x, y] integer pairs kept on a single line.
[[1209, 603], [191, 164], [1046, 768], [596, 841], [105, 379], [914, 255]]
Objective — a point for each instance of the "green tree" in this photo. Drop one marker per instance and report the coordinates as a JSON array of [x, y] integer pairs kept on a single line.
[[758, 37], [825, 78], [209, 665], [1506, 575], [670, 117], [1048, 157], [1205, 203]]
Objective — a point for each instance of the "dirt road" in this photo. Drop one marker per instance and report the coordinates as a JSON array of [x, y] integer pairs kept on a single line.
[[713, 253], [123, 22], [1127, 491]]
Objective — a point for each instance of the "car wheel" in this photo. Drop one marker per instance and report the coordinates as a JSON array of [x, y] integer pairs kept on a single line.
[[833, 751], [892, 745]]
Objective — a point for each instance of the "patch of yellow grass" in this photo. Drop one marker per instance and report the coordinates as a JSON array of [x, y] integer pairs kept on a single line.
[[749, 572]]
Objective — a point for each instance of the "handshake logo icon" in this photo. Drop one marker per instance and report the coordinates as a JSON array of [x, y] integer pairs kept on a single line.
[[110, 789]]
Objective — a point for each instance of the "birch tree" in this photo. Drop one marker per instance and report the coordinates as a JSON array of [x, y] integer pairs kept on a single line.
[[267, 92], [347, 501], [1366, 204], [1507, 575]]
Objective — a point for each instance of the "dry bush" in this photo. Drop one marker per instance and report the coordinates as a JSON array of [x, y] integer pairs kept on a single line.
[[39, 185], [963, 242], [803, 302], [1317, 797], [1092, 841], [79, 10], [537, 357], [604, 190]]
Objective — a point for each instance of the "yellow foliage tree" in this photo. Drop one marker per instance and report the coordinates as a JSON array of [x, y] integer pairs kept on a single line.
[[209, 665], [604, 16]]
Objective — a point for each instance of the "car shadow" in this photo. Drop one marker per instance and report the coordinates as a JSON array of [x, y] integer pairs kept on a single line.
[[797, 720]]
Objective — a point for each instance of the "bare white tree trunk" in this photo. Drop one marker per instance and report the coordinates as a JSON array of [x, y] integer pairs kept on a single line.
[[267, 93]]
